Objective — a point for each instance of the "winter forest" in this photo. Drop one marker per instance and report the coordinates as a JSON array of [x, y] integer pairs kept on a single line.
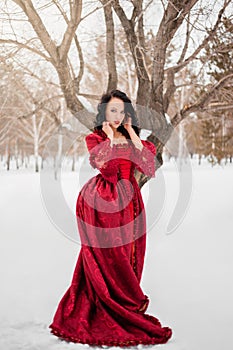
[[173, 58], [175, 61]]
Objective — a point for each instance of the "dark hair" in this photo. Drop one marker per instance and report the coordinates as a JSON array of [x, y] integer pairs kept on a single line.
[[128, 109]]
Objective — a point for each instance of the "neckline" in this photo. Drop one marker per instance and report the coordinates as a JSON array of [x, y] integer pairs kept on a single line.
[[121, 144]]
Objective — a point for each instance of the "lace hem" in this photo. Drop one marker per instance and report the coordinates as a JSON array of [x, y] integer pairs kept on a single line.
[[126, 343]]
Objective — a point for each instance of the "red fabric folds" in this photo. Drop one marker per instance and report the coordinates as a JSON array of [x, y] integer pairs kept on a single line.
[[105, 304]]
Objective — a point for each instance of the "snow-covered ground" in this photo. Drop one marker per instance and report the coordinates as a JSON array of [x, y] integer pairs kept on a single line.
[[187, 274]]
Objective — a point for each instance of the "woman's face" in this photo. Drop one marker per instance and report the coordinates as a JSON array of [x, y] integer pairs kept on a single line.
[[115, 112]]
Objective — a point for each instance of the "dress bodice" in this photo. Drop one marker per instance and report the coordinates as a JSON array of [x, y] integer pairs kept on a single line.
[[120, 160], [122, 153]]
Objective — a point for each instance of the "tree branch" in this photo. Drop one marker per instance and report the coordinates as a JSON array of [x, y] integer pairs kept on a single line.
[[218, 107], [96, 9], [172, 19], [79, 49], [171, 88], [186, 44], [39, 106], [141, 36], [136, 51], [75, 16], [201, 104], [170, 79], [81, 64], [25, 46], [110, 46], [181, 64], [39, 27]]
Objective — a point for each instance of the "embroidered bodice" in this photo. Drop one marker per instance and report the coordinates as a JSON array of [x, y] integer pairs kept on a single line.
[[125, 165], [120, 160]]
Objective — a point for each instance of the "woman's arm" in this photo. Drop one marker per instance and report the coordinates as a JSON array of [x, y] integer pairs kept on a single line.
[[144, 152], [144, 160], [101, 156], [134, 137]]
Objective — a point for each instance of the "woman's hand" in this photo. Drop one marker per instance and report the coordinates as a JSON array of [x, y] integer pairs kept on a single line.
[[134, 137], [107, 129], [128, 123]]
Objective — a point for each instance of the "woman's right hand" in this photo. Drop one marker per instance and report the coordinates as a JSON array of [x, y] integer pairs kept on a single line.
[[107, 129]]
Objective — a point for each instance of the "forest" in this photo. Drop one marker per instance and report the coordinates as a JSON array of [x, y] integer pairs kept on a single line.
[[173, 58]]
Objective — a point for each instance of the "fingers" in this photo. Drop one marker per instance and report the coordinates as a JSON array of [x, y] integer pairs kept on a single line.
[[128, 120]]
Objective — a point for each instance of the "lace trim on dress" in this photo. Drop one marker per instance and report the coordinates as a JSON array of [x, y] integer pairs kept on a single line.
[[101, 154], [101, 157], [121, 144], [144, 159], [113, 342]]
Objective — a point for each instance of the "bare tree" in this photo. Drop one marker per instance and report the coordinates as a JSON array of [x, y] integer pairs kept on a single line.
[[27, 117], [156, 75]]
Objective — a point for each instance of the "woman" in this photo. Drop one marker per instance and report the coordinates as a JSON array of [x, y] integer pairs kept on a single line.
[[105, 304]]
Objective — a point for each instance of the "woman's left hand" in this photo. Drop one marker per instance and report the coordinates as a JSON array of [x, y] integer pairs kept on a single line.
[[128, 123], [134, 137]]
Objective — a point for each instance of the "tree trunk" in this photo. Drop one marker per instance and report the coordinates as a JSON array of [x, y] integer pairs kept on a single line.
[[8, 160], [58, 156], [7, 154], [110, 47], [36, 143]]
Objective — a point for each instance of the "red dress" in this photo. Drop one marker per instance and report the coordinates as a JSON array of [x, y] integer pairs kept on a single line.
[[105, 304]]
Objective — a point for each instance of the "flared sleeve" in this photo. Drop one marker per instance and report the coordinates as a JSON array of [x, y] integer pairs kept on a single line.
[[144, 159], [102, 156]]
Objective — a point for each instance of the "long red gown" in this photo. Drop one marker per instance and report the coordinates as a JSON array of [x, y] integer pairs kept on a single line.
[[105, 304]]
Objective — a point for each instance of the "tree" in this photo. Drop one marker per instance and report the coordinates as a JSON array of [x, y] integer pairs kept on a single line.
[[156, 75], [27, 117]]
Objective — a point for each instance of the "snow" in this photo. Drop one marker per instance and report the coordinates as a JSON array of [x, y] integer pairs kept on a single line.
[[187, 274]]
